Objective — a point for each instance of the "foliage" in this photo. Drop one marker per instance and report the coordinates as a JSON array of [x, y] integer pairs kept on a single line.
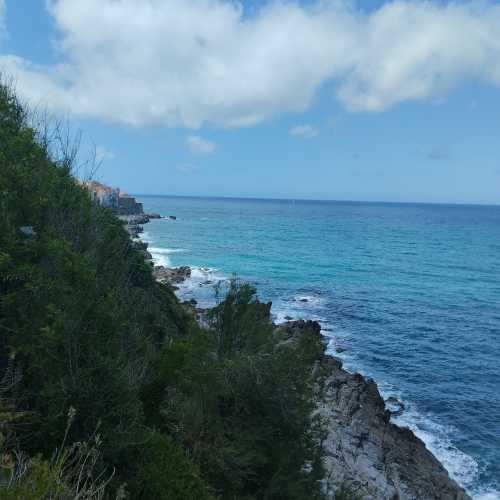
[[183, 412], [164, 472], [244, 411]]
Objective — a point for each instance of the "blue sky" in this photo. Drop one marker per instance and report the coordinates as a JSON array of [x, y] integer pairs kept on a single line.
[[394, 101]]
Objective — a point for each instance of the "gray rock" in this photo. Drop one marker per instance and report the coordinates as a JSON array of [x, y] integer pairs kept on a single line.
[[134, 230], [292, 330], [134, 220], [171, 275], [377, 459], [365, 450], [142, 246], [395, 406]]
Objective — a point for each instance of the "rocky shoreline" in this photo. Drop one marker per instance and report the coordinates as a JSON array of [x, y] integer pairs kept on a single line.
[[365, 451], [377, 459], [134, 223]]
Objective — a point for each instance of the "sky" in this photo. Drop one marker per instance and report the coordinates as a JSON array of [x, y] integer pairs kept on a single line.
[[316, 99]]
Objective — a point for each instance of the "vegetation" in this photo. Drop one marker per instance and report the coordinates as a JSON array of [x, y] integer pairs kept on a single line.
[[110, 389]]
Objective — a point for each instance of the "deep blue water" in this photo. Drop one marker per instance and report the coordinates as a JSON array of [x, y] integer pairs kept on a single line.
[[412, 292]]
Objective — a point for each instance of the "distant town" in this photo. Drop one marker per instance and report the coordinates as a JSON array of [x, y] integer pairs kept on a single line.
[[113, 198]]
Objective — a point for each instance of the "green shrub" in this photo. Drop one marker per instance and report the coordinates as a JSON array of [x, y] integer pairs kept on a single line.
[[165, 472], [245, 406]]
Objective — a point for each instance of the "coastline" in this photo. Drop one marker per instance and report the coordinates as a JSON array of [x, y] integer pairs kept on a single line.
[[364, 448]]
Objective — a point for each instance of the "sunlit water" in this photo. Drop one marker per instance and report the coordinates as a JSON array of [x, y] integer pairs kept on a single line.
[[412, 292]]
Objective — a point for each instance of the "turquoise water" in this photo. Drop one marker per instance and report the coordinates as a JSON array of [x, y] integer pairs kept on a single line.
[[412, 292]]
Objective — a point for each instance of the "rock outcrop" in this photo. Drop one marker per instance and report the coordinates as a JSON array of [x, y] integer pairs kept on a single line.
[[171, 275], [364, 450], [142, 246]]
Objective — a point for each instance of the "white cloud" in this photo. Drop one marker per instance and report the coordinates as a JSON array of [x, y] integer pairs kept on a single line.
[[304, 131], [102, 154], [198, 145], [186, 62], [420, 50]]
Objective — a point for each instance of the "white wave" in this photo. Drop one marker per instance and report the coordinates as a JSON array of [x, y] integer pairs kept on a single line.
[[160, 255], [165, 251], [461, 467], [309, 301], [145, 236], [201, 286], [486, 495], [282, 316], [161, 260], [298, 307], [204, 273]]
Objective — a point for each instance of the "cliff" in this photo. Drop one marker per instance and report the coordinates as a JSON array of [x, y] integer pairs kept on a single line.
[[377, 459]]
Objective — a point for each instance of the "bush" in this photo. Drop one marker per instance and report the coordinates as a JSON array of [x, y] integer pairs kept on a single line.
[[164, 472], [246, 404]]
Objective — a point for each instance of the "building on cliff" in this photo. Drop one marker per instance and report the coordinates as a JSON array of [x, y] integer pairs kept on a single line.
[[127, 205], [113, 198]]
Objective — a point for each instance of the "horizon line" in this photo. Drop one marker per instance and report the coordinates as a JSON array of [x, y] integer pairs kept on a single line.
[[319, 200]]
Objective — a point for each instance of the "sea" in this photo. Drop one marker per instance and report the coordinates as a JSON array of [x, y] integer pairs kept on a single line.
[[408, 294]]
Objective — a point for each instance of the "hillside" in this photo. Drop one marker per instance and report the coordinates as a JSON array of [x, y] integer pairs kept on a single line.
[[109, 387]]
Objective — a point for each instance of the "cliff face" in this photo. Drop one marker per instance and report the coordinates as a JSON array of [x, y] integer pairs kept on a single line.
[[112, 198], [377, 459]]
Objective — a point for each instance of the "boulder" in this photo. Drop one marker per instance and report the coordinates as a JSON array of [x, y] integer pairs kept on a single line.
[[171, 275]]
